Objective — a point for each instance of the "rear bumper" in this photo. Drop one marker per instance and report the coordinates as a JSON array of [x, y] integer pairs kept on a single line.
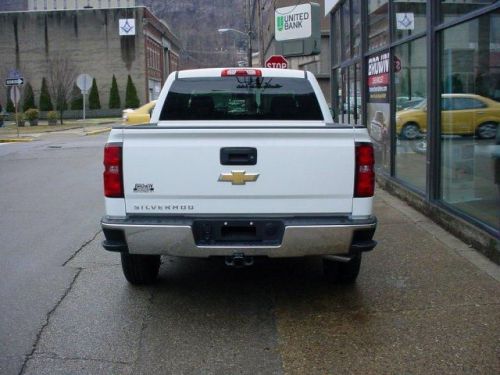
[[339, 236]]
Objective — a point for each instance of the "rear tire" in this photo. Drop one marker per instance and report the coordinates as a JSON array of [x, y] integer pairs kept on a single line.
[[488, 130], [411, 130], [342, 272], [140, 269]]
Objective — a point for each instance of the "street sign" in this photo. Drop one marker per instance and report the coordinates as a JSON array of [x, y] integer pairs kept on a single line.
[[14, 81], [277, 61], [15, 95], [84, 81]]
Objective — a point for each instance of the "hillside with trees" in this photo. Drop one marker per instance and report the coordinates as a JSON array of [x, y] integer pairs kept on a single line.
[[195, 22]]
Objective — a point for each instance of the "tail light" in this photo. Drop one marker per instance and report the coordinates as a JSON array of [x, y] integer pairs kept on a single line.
[[234, 72], [364, 185], [113, 177]]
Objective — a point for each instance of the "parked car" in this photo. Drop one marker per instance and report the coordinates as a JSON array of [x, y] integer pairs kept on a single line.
[[141, 115], [461, 114], [405, 102]]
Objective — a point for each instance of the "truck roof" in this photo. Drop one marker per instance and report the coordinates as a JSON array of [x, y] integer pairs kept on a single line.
[[266, 72]]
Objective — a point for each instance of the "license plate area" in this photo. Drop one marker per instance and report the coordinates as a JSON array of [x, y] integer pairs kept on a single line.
[[259, 232]]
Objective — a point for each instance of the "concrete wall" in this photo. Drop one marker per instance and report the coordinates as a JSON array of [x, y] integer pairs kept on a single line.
[[90, 38]]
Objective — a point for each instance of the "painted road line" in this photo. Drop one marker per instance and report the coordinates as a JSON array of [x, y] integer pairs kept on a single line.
[[15, 140]]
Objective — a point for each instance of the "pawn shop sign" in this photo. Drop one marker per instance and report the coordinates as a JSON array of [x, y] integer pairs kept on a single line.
[[277, 61]]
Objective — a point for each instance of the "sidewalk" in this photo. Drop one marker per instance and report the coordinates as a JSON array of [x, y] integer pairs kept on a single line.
[[8, 132]]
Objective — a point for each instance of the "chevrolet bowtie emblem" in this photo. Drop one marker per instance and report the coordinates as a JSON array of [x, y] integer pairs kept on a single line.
[[238, 177]]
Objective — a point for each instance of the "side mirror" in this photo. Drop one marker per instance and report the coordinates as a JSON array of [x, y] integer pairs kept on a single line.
[[332, 112]]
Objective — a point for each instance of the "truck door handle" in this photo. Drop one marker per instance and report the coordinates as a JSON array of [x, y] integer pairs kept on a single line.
[[238, 156]]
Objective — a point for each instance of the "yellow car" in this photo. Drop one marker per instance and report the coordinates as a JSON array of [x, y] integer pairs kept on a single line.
[[461, 114], [141, 115]]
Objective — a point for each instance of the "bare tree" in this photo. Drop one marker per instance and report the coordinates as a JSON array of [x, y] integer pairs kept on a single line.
[[61, 78]]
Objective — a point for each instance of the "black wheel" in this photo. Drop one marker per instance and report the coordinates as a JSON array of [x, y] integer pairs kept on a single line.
[[140, 269], [342, 272], [488, 130], [410, 131]]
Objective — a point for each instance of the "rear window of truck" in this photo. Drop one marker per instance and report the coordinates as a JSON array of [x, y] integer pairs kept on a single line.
[[241, 98]]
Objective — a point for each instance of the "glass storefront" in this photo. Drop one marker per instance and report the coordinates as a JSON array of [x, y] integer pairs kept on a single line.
[[409, 18], [378, 23], [470, 113], [424, 78], [410, 88], [451, 9]]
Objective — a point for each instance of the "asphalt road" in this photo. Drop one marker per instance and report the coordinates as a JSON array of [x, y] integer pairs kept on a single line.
[[425, 303], [50, 202]]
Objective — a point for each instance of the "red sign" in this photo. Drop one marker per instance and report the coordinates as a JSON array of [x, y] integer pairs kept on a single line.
[[378, 80], [276, 61]]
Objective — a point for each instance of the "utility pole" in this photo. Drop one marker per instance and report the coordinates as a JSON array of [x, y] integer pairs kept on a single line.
[[249, 32], [260, 33]]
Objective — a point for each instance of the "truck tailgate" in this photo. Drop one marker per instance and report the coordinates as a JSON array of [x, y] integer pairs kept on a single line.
[[178, 171]]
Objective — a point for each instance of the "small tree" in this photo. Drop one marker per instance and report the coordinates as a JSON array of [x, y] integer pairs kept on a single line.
[[77, 98], [94, 101], [28, 98], [114, 95], [62, 76], [131, 98], [45, 101], [10, 106]]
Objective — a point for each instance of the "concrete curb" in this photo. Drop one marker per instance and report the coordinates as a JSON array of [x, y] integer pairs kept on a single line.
[[15, 140], [94, 132]]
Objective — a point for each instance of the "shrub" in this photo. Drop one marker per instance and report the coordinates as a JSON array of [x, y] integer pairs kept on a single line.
[[31, 114], [131, 98], [94, 101], [45, 102], [28, 98], [19, 118], [10, 106], [52, 115], [77, 98], [114, 95]]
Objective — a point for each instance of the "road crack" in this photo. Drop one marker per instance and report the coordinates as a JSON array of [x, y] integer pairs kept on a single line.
[[144, 325], [47, 320], [81, 248]]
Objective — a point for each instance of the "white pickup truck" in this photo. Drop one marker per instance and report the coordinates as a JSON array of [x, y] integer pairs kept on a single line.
[[239, 163]]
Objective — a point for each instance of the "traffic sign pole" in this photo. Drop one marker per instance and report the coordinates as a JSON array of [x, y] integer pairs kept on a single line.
[[15, 95], [84, 81], [15, 109]]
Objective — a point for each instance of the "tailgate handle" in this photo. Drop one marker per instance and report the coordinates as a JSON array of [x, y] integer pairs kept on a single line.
[[238, 156]]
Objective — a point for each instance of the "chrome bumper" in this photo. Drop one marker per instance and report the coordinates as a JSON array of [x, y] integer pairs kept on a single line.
[[302, 237]]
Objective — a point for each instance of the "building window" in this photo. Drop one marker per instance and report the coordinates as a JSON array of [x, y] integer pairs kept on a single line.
[[356, 27], [451, 10], [346, 31], [470, 114], [336, 39], [410, 18], [378, 23], [410, 91]]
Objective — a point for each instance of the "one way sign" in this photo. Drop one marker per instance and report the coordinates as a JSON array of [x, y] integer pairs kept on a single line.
[[14, 81]]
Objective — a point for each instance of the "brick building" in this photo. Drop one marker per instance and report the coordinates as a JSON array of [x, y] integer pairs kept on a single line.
[[92, 41]]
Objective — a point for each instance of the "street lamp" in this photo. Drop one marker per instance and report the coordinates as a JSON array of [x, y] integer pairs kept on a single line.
[[249, 43]]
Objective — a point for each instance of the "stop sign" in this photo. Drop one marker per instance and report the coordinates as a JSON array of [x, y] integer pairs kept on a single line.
[[277, 61]]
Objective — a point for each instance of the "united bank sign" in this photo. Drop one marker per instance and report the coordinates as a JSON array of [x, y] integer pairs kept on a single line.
[[293, 22]]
